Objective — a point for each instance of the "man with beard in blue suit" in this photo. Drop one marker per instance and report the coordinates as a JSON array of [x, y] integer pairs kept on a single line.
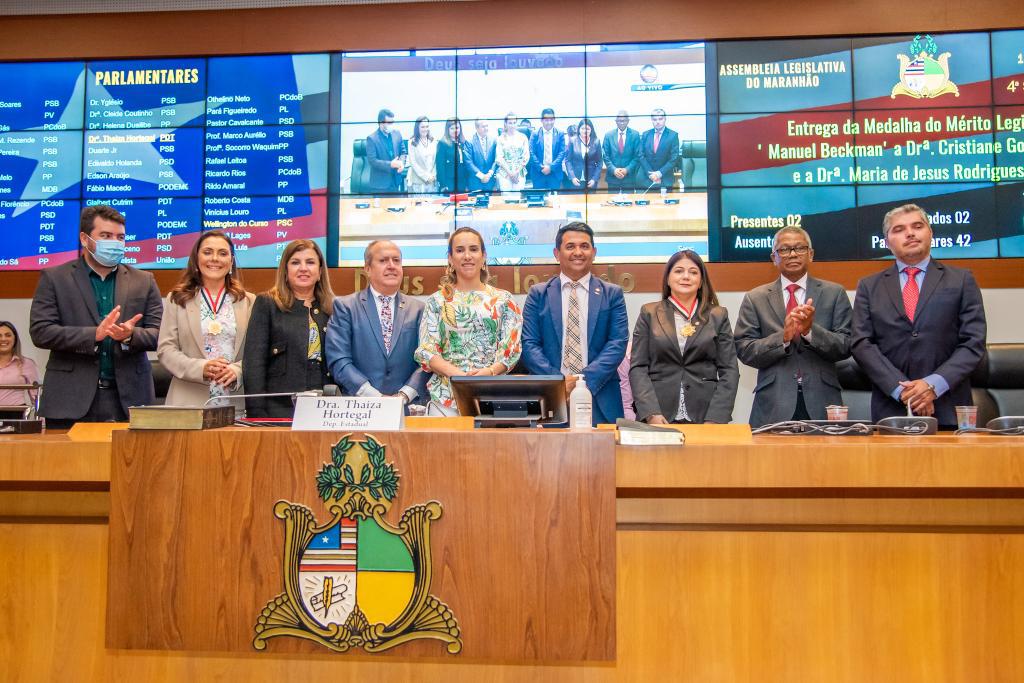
[[576, 324]]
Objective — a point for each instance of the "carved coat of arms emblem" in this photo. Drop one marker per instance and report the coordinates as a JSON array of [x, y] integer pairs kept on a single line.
[[356, 580]]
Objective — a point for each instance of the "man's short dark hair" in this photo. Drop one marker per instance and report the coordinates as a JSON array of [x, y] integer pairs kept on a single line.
[[548, 112], [90, 213], [384, 114], [575, 226]]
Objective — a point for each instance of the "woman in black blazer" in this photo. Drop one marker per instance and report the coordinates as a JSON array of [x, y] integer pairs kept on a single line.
[[284, 345], [683, 364], [452, 151]]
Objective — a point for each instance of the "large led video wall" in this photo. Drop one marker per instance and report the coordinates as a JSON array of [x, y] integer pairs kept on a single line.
[[832, 133], [177, 145], [527, 173], [657, 146]]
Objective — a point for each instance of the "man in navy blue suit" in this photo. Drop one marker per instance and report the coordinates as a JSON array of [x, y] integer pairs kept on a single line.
[[373, 333], [659, 153], [547, 151], [384, 154], [576, 324], [918, 326], [481, 160], [621, 154]]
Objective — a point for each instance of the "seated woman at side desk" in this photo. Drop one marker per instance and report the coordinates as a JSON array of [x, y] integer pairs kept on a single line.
[[203, 328], [468, 326], [15, 368], [683, 363], [284, 346]]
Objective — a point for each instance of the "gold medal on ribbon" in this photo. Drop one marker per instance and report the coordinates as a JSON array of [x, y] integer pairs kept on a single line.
[[688, 330], [215, 327]]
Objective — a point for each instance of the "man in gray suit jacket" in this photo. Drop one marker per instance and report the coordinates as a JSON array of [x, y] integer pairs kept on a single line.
[[373, 333], [98, 317], [621, 154], [794, 330]]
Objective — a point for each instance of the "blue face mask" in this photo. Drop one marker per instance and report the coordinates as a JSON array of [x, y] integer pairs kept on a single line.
[[108, 252]]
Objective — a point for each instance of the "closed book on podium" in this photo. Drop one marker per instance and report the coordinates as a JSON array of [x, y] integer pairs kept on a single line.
[[180, 417]]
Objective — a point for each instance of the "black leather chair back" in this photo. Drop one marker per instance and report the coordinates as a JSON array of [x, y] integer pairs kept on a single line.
[[359, 183]]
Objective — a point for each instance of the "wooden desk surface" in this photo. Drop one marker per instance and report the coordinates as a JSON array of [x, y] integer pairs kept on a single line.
[[809, 572]]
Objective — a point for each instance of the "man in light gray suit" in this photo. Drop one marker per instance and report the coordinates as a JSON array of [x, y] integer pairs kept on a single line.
[[794, 330], [373, 333]]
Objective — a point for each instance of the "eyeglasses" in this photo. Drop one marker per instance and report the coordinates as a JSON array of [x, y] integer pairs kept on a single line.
[[802, 250]]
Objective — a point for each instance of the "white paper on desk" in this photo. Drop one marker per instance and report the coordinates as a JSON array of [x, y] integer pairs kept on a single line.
[[336, 413]]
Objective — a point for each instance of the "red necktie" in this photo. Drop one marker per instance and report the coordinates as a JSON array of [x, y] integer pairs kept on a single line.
[[911, 292], [657, 139], [791, 303], [622, 142]]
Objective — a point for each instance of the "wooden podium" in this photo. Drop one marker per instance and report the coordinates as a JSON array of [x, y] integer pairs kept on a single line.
[[523, 552]]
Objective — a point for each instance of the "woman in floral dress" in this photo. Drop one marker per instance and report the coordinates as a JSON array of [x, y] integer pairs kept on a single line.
[[512, 153], [468, 326]]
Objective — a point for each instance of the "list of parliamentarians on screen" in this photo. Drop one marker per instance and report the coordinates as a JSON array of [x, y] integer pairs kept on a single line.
[[261, 161]]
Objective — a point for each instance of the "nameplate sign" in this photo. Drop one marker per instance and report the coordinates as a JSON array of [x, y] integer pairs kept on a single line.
[[334, 413]]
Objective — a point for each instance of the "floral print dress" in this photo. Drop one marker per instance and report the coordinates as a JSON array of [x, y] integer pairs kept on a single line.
[[471, 330]]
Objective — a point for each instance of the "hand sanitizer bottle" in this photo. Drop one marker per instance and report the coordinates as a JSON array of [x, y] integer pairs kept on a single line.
[[581, 406]]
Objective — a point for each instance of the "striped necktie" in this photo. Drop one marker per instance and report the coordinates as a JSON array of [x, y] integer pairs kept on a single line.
[[573, 353]]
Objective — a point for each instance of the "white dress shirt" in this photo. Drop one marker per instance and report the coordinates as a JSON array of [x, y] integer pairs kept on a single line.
[[583, 296]]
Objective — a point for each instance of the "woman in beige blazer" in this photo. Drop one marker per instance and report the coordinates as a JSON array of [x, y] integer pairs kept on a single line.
[[202, 333]]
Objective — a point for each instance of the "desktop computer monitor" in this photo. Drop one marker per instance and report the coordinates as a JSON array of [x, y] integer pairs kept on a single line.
[[512, 400]]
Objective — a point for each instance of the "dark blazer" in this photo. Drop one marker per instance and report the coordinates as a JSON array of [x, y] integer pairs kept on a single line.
[[759, 344], [628, 159], [583, 163], [451, 166], [666, 159], [481, 159], [946, 338], [554, 179], [383, 178], [355, 345], [707, 370], [63, 319], [607, 334], [276, 349]]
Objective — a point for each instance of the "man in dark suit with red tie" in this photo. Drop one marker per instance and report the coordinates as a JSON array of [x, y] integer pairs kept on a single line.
[[918, 327], [659, 152]]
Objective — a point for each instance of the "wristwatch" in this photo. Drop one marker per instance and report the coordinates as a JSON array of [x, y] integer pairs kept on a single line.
[[931, 387]]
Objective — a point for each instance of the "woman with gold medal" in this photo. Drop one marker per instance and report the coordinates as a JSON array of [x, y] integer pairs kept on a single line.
[[683, 361], [203, 328]]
